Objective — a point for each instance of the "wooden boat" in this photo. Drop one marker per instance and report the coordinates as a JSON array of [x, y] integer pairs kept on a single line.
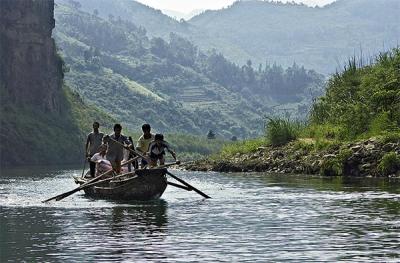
[[142, 184]]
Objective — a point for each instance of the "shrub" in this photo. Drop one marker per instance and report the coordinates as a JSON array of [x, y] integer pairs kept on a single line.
[[382, 122], [390, 163], [389, 137], [242, 147], [331, 167], [280, 131], [304, 145]]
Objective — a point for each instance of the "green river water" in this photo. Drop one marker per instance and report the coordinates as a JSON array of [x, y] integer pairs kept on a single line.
[[250, 218]]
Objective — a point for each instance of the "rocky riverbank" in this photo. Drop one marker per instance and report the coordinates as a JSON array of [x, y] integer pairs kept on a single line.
[[371, 157]]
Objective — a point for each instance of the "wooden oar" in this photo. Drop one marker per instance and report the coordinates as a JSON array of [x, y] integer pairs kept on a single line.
[[106, 180], [66, 194], [188, 185], [180, 186], [84, 164]]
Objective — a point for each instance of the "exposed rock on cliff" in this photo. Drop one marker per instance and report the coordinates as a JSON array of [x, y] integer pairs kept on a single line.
[[31, 71], [41, 121]]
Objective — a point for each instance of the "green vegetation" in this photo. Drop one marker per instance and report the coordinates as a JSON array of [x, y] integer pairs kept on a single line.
[[280, 131], [168, 82], [242, 147], [360, 102], [390, 163], [319, 38], [50, 138]]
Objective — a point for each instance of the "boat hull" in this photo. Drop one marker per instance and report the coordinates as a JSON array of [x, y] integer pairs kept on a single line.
[[146, 184]]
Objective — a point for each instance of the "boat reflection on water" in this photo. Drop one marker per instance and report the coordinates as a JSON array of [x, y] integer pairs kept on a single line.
[[145, 217]]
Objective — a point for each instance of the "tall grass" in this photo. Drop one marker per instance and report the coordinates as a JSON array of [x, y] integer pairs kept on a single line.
[[280, 131], [241, 147]]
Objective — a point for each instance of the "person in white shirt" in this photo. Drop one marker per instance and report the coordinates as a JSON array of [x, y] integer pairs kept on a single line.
[[102, 164]]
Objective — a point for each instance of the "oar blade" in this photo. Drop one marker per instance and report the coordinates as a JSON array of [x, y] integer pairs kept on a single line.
[[188, 185]]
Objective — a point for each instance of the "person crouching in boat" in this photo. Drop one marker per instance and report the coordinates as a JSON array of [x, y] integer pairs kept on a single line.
[[157, 150], [115, 152], [102, 164]]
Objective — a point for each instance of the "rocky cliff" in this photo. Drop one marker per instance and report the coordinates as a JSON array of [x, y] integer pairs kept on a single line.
[[41, 120], [31, 71]]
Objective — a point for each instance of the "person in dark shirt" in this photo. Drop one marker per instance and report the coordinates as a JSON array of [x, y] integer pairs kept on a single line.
[[115, 152], [157, 150]]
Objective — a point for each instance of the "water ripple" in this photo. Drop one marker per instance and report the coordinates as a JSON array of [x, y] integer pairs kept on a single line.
[[251, 218]]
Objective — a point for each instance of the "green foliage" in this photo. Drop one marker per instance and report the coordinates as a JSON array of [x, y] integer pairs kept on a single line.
[[169, 82], [390, 163], [241, 147], [382, 122], [190, 146], [362, 101], [390, 137], [268, 30], [307, 146], [280, 131], [331, 167], [47, 138], [325, 131]]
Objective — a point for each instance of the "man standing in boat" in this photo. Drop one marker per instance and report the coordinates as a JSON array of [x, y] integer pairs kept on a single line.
[[93, 142], [144, 141], [115, 152]]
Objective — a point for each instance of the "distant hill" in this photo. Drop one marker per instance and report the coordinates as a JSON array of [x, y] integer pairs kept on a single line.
[[172, 84], [318, 38]]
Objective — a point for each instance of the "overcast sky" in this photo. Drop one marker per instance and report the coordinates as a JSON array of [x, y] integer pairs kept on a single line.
[[186, 6]]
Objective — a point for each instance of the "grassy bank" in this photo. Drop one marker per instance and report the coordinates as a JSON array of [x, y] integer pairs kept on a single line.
[[361, 102]]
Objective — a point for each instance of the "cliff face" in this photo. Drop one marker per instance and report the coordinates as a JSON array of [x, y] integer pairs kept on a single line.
[[31, 71]]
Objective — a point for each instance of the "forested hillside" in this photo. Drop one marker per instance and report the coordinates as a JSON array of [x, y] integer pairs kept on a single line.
[[318, 38], [172, 84]]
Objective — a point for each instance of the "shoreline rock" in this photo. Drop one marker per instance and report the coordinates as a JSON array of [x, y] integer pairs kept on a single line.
[[360, 158]]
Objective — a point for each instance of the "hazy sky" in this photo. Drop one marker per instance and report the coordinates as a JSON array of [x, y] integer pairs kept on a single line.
[[186, 6]]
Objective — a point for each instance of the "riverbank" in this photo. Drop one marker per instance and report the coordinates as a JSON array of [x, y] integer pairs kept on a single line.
[[373, 157]]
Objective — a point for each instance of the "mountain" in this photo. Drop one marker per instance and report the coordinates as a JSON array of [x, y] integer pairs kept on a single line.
[[155, 22], [171, 84], [319, 38], [41, 121], [180, 15]]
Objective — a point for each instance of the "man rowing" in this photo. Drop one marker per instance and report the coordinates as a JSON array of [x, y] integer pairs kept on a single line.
[[115, 152]]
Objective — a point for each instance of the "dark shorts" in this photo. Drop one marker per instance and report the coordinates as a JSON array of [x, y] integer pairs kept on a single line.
[[157, 156]]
